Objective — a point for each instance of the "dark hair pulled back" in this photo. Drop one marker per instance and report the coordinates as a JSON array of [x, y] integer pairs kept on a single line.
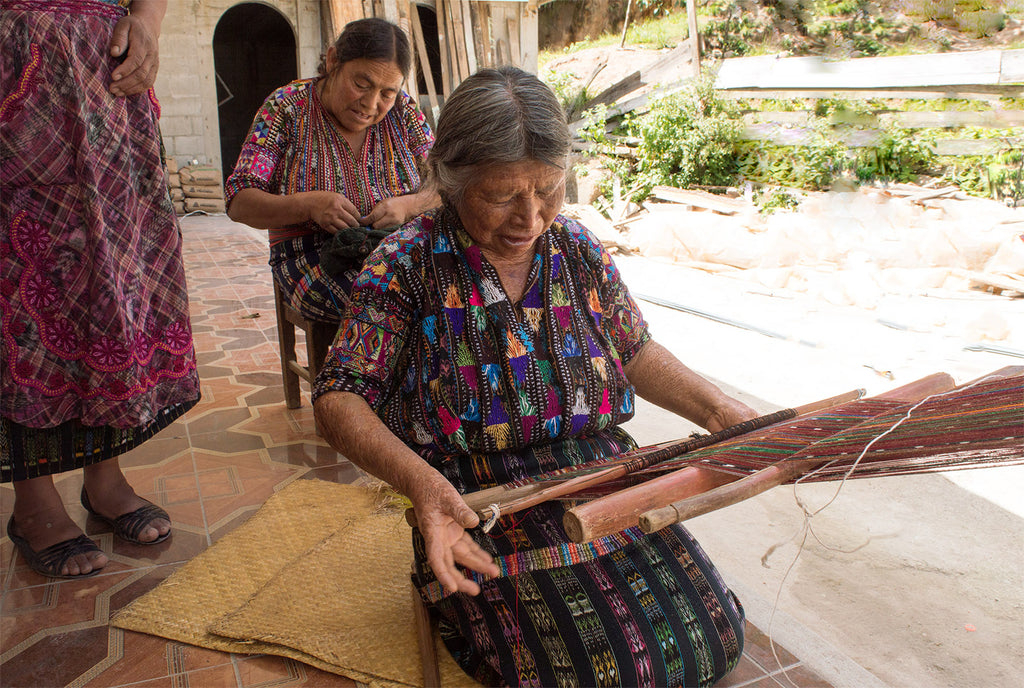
[[371, 39]]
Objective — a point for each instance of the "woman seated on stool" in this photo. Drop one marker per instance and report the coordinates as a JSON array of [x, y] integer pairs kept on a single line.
[[492, 339], [342, 150]]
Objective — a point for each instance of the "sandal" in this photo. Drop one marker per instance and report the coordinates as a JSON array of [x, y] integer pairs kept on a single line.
[[128, 526], [51, 560]]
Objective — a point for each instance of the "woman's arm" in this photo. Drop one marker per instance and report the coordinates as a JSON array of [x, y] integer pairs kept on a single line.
[[400, 209], [350, 426], [257, 208], [662, 379], [136, 36]]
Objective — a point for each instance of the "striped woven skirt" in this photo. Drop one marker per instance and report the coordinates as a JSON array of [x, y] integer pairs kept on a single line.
[[626, 610], [295, 263], [97, 342]]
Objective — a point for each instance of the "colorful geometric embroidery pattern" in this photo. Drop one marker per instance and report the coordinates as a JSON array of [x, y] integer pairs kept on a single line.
[[293, 146]]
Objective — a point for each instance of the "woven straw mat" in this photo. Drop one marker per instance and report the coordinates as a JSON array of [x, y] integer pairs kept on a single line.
[[319, 574]]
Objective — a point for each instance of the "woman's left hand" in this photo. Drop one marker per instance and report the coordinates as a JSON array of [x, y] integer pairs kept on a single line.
[[443, 517], [138, 43], [728, 413], [389, 212]]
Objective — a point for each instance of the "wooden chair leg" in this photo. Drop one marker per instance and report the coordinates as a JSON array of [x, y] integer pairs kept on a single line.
[[319, 338], [286, 344], [425, 637]]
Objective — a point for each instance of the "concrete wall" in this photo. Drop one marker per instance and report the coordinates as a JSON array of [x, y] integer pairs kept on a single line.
[[186, 84]]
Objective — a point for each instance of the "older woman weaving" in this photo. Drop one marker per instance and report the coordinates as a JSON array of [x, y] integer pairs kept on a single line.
[[491, 340]]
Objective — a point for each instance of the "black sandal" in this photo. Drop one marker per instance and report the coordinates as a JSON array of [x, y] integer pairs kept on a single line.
[[128, 526], [51, 560]]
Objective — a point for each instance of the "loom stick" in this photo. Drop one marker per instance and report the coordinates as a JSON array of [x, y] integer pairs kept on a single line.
[[778, 473], [514, 500], [622, 509]]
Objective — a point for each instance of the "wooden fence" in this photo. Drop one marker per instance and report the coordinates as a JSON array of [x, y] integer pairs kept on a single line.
[[988, 75]]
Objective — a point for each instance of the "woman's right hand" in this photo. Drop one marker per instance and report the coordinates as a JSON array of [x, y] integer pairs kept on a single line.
[[443, 517], [331, 211]]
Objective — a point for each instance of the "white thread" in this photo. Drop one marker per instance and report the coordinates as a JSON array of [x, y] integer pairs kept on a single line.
[[806, 528], [495, 514]]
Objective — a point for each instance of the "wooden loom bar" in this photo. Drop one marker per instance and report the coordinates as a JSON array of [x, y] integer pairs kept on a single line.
[[776, 474], [516, 499], [623, 508]]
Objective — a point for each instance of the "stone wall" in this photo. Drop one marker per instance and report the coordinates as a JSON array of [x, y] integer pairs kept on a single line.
[[186, 84]]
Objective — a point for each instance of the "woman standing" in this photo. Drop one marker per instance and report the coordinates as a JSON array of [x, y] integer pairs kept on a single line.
[[324, 155], [97, 351]]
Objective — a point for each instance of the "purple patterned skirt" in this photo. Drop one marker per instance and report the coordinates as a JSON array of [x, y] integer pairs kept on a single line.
[[93, 301]]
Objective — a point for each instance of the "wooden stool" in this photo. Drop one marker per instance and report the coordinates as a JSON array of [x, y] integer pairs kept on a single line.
[[319, 337], [425, 637]]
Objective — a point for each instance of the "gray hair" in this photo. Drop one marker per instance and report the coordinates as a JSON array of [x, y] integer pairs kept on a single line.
[[496, 116]]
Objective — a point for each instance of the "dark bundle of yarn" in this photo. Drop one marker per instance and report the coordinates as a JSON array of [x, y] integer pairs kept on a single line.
[[347, 249]]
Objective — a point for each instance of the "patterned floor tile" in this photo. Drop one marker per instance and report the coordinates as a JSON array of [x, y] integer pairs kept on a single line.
[[210, 470]]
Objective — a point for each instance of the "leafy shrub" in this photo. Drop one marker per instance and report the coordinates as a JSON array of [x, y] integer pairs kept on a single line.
[[899, 157], [687, 139], [977, 17]]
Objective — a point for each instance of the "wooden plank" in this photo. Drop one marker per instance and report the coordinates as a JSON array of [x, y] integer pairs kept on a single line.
[[995, 119], [989, 93], [442, 42], [700, 199], [860, 138], [976, 146], [432, 108], [457, 28], [979, 67], [694, 37], [528, 36], [482, 23], [470, 42], [513, 41], [1012, 67], [342, 12], [674, 65], [391, 12]]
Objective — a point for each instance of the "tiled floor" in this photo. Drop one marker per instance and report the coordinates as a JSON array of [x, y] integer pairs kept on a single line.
[[210, 470]]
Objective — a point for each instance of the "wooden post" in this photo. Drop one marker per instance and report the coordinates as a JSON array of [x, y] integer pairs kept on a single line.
[[625, 24], [691, 15], [434, 103]]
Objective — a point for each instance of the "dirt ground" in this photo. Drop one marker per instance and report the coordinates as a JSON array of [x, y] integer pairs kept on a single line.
[[917, 580]]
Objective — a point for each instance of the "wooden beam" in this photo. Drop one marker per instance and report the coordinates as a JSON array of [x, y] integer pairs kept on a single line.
[[486, 56], [428, 74], [513, 41], [442, 43], [973, 68], [466, 14], [457, 29], [691, 18]]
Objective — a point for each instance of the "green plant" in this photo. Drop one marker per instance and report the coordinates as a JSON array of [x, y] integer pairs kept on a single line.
[[769, 201], [899, 156], [687, 139], [564, 84], [977, 17]]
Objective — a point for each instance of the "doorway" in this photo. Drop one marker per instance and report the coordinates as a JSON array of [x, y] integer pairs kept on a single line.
[[253, 53]]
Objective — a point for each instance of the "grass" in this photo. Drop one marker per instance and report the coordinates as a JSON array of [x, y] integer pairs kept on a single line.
[[666, 31], [655, 33]]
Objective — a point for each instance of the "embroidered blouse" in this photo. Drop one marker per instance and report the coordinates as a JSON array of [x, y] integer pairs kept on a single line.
[[433, 344], [293, 146]]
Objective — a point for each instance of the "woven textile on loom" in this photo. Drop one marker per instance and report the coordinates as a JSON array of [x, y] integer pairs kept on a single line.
[[973, 426], [977, 426]]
